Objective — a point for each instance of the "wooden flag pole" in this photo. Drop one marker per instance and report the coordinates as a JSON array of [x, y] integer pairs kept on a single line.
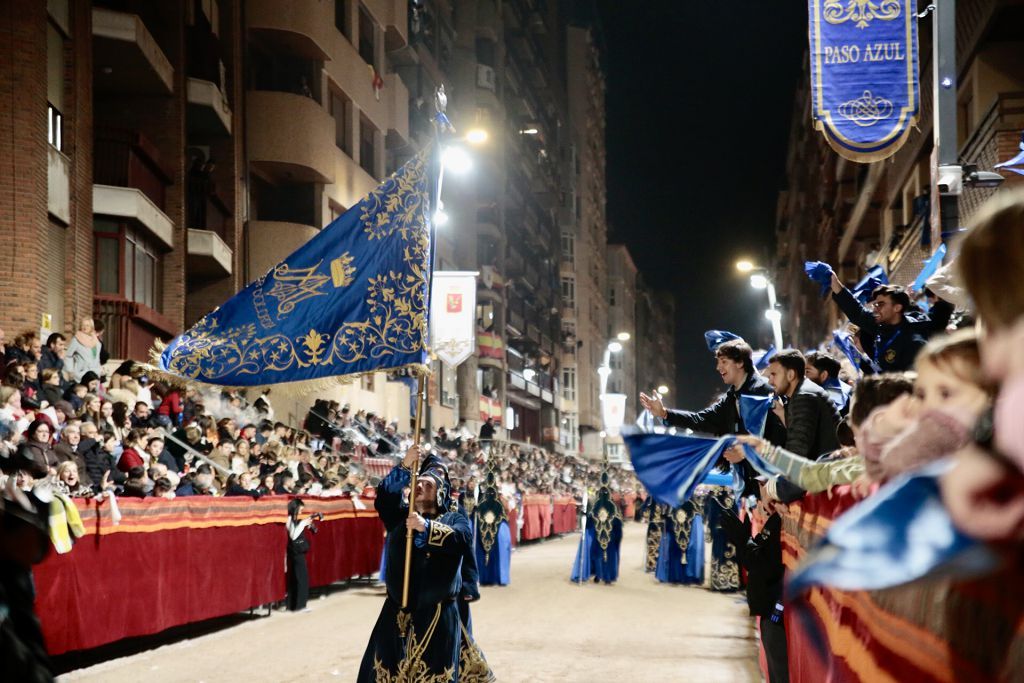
[[420, 400]]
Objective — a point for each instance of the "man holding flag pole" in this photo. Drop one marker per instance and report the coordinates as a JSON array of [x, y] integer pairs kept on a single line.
[[354, 300]]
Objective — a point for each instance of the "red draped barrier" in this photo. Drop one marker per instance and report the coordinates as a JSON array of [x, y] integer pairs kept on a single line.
[[564, 518], [941, 631], [173, 562], [513, 520]]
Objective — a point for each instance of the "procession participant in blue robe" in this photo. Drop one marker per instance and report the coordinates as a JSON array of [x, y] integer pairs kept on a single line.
[[651, 512], [598, 553], [423, 642], [725, 568], [681, 555], [493, 536]]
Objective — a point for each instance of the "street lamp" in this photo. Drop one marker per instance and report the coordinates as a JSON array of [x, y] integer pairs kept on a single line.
[[456, 160], [663, 390], [759, 279], [477, 136]]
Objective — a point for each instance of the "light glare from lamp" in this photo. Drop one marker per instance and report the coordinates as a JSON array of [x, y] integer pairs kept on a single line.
[[457, 160], [477, 136], [773, 315], [758, 281], [440, 218], [528, 131], [663, 390], [622, 336], [614, 347], [744, 266]]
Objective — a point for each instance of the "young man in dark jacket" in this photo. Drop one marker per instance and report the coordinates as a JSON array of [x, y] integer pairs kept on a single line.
[[811, 418], [890, 336]]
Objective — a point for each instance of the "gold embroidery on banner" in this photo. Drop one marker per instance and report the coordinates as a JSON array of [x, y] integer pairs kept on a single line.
[[396, 323], [342, 270], [412, 668], [438, 533], [473, 668], [861, 12], [292, 287], [866, 110]]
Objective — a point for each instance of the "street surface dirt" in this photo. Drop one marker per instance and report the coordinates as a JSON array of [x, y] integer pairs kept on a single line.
[[539, 629]]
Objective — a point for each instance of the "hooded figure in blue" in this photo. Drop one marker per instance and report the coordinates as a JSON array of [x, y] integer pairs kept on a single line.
[[598, 553], [425, 642], [681, 554], [493, 537]]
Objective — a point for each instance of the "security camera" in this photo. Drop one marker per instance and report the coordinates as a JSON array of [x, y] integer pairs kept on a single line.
[[976, 178]]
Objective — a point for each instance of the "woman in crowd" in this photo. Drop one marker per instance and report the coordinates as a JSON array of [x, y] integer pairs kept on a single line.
[[67, 482], [120, 421], [91, 409], [131, 455], [50, 389], [83, 352], [36, 446]]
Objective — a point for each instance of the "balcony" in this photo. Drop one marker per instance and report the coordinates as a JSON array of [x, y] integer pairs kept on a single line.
[[131, 328], [291, 137], [271, 241], [395, 16], [126, 57], [208, 111], [209, 258], [301, 28], [58, 185], [133, 204]]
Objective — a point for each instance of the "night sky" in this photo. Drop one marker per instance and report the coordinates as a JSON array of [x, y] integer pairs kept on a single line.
[[700, 99]]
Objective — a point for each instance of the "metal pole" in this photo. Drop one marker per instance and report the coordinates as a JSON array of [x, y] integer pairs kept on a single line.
[[944, 76], [420, 396], [776, 322]]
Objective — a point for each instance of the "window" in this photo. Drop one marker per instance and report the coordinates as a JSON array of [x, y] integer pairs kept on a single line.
[[341, 16], [611, 296], [569, 292], [569, 384], [366, 148], [367, 37], [55, 128], [127, 264], [485, 52], [568, 246], [338, 106]]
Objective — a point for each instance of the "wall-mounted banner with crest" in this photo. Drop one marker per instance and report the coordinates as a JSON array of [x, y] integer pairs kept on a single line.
[[864, 80], [453, 315]]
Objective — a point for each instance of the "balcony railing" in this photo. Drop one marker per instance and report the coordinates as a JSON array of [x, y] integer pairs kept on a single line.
[[125, 158], [131, 328]]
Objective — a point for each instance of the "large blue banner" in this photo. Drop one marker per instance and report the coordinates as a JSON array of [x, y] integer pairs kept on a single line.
[[353, 299], [864, 83]]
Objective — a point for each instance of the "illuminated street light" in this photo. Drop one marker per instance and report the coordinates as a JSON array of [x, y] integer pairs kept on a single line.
[[457, 160], [528, 131], [440, 218], [622, 336], [758, 281], [477, 136], [773, 314], [614, 347], [663, 390], [744, 266]]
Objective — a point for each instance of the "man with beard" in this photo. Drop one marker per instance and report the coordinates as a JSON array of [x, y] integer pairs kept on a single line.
[[423, 642]]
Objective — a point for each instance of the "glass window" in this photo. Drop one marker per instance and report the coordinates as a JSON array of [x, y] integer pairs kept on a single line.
[[107, 265], [366, 36], [366, 150], [340, 16], [569, 384], [339, 113]]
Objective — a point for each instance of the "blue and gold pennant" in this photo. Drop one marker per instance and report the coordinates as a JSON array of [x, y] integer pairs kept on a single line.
[[354, 299]]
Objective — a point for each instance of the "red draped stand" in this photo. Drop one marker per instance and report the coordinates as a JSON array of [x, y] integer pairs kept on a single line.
[[941, 631], [174, 562]]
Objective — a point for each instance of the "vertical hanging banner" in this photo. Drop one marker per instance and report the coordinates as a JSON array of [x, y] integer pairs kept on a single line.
[[453, 315], [864, 82]]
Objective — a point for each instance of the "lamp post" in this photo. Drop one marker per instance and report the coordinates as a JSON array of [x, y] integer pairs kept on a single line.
[[759, 279], [604, 372]]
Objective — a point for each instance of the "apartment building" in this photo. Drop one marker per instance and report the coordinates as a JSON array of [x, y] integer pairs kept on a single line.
[[859, 215]]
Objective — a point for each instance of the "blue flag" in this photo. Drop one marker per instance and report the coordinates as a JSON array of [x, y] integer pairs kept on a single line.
[[1016, 164], [715, 338], [821, 273], [845, 344], [930, 266], [671, 466], [876, 276], [901, 534], [754, 412], [762, 362], [353, 299]]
